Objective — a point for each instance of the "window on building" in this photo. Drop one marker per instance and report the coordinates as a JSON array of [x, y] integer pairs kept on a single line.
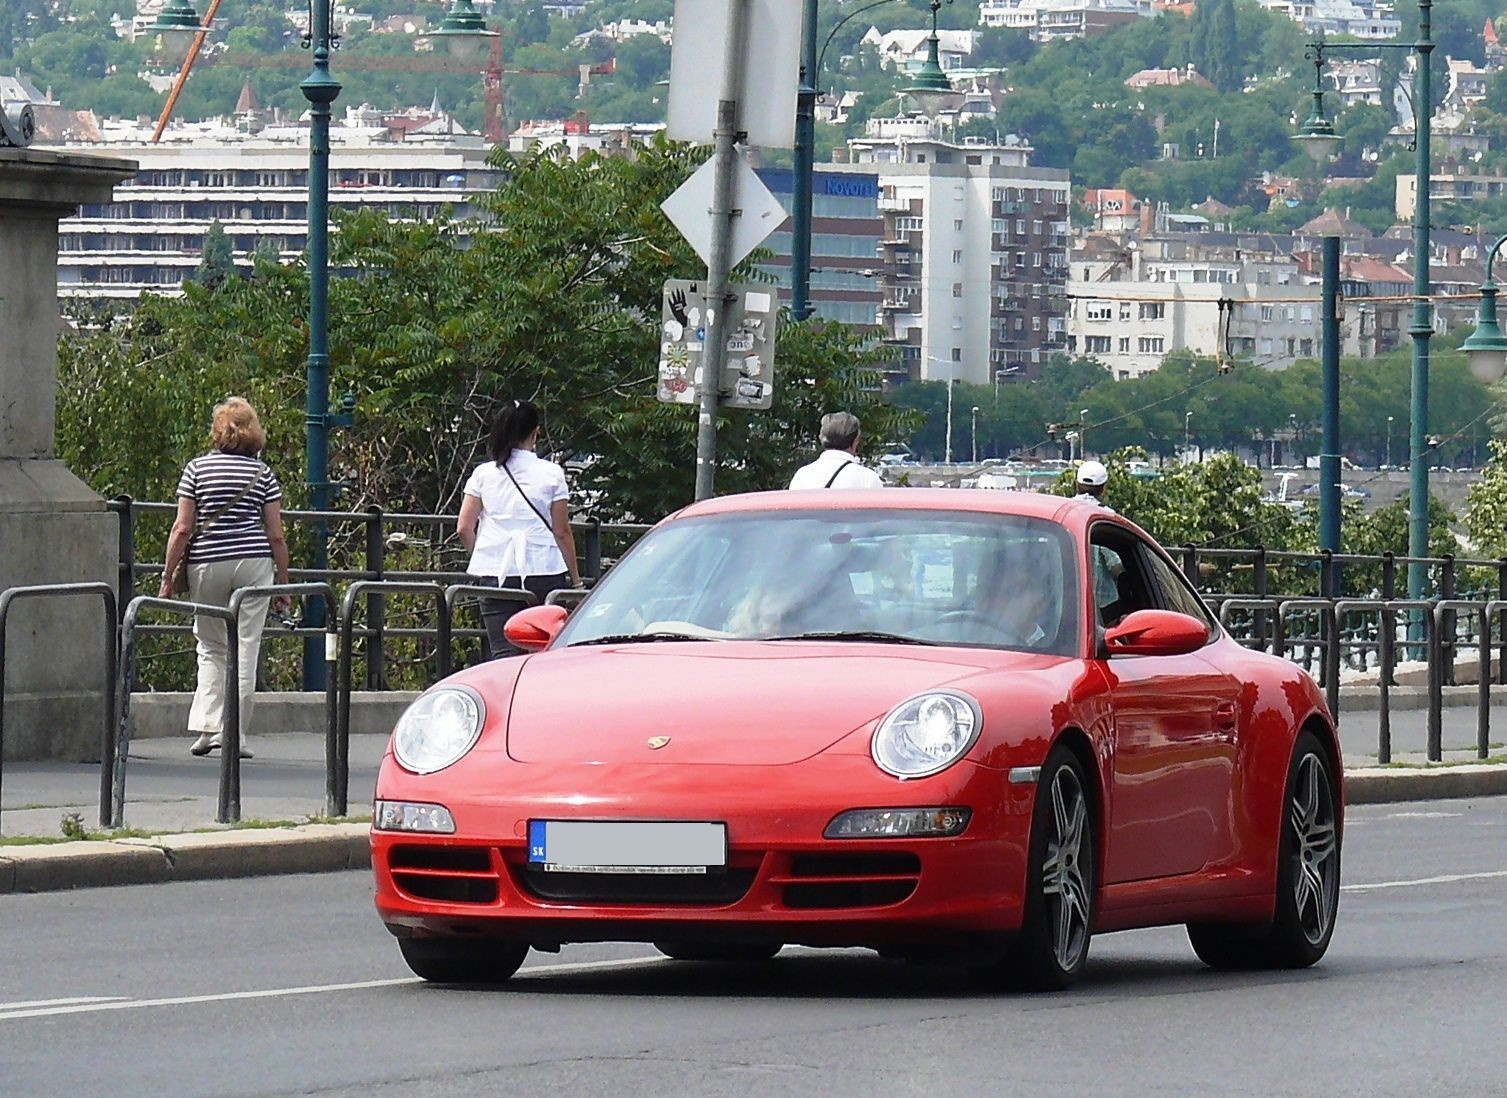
[[957, 354], [1020, 225], [1268, 312], [1096, 345], [1125, 345], [1305, 347], [1036, 227], [1036, 259], [957, 224], [1036, 324], [957, 255], [1305, 314], [1099, 310], [1150, 345], [957, 289], [1153, 310]]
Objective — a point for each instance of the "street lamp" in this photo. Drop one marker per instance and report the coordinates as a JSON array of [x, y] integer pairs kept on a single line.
[[1313, 136], [1389, 440], [321, 89], [176, 26], [1486, 347], [1187, 420], [463, 32], [974, 434], [1083, 433], [805, 141], [931, 89]]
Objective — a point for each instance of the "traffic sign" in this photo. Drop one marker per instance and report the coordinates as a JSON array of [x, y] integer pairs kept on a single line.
[[759, 211], [748, 368], [771, 71]]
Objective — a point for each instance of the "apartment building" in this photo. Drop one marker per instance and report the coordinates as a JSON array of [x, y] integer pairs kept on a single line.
[[1447, 186], [1369, 19], [1056, 20], [973, 260], [151, 236], [1165, 296]]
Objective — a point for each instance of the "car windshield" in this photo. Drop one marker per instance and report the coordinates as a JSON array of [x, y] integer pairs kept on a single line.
[[903, 576]]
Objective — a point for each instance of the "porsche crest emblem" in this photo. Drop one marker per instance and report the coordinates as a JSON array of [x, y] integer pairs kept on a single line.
[[656, 742]]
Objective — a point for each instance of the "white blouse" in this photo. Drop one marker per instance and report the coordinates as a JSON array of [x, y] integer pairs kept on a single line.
[[510, 538]]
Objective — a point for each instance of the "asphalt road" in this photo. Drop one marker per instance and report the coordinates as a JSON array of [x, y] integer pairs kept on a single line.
[[289, 986]]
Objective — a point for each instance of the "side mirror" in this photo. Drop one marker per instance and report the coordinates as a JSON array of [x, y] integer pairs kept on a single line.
[[535, 628], [1156, 633]]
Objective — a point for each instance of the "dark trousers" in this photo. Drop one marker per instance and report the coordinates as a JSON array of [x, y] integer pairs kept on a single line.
[[496, 612]]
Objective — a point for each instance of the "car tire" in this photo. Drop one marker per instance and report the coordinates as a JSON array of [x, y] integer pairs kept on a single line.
[[1308, 878], [461, 961], [1051, 950], [734, 952]]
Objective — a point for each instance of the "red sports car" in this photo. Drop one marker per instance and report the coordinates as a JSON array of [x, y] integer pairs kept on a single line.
[[942, 724]]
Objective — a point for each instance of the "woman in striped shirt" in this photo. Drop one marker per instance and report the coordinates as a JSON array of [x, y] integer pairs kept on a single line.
[[229, 528]]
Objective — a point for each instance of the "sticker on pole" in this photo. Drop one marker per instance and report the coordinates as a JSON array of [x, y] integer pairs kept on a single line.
[[748, 368]]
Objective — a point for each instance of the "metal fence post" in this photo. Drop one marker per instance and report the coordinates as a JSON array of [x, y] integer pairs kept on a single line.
[[1502, 594], [1259, 576], [594, 549], [376, 604], [1190, 565], [1446, 628]]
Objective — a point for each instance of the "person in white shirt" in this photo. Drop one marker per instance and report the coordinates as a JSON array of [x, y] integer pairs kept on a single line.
[[838, 465], [515, 522]]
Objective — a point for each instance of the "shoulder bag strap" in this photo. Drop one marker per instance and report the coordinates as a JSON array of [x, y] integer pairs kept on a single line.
[[837, 474], [526, 500]]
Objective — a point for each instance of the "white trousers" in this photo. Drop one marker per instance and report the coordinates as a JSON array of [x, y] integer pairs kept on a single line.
[[214, 583]]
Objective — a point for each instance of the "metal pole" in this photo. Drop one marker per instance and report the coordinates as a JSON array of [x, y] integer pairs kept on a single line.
[[320, 89], [725, 145], [805, 169], [947, 455], [1329, 456], [1423, 325]]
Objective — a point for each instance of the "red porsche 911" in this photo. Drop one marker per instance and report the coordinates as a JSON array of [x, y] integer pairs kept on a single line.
[[943, 724]]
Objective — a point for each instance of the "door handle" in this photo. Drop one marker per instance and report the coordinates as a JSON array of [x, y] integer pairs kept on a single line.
[[1224, 717]]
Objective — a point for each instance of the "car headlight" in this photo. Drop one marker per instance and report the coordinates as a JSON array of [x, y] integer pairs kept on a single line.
[[438, 729], [926, 734]]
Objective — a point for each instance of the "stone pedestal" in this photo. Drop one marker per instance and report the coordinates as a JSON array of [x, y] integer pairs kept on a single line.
[[53, 528]]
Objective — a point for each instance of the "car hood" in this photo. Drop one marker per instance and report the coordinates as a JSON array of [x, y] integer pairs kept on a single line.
[[731, 703]]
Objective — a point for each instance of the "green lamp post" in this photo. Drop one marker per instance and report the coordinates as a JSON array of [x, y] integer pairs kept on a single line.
[[463, 31], [175, 27], [1317, 136], [931, 89]]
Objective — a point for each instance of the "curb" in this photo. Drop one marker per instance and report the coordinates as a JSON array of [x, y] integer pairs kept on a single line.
[[210, 855], [329, 848], [1386, 785]]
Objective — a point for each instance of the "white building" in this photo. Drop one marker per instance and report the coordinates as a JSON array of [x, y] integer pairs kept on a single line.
[[907, 49], [1130, 317], [150, 238], [1051, 20], [974, 252], [1371, 19]]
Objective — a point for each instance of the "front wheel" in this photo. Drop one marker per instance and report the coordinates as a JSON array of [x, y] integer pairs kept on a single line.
[[1051, 950], [460, 960], [1308, 878]]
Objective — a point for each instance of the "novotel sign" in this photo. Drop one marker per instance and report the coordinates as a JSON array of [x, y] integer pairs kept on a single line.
[[850, 186]]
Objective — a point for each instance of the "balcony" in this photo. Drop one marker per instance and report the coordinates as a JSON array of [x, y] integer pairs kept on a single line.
[[894, 205]]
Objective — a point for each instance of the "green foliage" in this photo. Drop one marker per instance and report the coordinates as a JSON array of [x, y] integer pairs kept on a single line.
[[217, 260], [1486, 506]]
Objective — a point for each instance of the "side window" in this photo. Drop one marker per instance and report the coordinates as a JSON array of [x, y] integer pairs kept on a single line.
[[1175, 590], [1120, 582]]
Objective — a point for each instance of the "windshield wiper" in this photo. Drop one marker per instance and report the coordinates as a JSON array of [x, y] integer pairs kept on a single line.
[[637, 638], [853, 635]]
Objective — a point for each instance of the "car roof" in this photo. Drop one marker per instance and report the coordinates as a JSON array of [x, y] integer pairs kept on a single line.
[[1027, 504]]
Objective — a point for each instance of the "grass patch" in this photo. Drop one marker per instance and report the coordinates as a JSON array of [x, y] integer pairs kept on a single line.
[[74, 831], [1493, 760]]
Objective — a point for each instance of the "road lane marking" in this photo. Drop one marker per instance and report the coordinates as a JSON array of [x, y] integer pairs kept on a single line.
[[1450, 878], [60, 1002], [46, 1008]]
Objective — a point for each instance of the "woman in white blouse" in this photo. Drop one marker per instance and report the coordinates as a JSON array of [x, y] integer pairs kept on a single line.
[[515, 521]]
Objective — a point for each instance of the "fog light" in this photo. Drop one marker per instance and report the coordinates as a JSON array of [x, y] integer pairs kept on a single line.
[[408, 816], [898, 823]]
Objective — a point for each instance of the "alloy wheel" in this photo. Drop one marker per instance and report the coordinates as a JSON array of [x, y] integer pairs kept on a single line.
[[1315, 853], [1063, 880]]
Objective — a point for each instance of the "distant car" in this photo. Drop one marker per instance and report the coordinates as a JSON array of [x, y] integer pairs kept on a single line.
[[968, 724]]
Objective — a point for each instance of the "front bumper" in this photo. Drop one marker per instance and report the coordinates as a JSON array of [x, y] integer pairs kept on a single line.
[[783, 882]]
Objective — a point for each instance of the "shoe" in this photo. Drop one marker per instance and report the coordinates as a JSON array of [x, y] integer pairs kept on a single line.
[[214, 745], [204, 744]]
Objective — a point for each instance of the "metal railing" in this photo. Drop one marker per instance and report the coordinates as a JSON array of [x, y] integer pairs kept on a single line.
[[107, 757]]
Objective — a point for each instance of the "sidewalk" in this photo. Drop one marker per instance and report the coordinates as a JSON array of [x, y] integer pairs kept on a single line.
[[171, 797]]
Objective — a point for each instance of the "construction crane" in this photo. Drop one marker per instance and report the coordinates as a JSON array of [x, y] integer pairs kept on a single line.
[[493, 121]]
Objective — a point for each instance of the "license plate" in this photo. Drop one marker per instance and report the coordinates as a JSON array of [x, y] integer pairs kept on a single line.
[[626, 846]]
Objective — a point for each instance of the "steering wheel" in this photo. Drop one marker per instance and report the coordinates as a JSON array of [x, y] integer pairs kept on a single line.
[[976, 617]]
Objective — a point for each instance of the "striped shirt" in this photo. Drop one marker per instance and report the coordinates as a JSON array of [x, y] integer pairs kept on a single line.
[[211, 481]]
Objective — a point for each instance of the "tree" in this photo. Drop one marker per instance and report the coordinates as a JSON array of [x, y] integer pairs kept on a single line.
[[556, 298], [217, 260]]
